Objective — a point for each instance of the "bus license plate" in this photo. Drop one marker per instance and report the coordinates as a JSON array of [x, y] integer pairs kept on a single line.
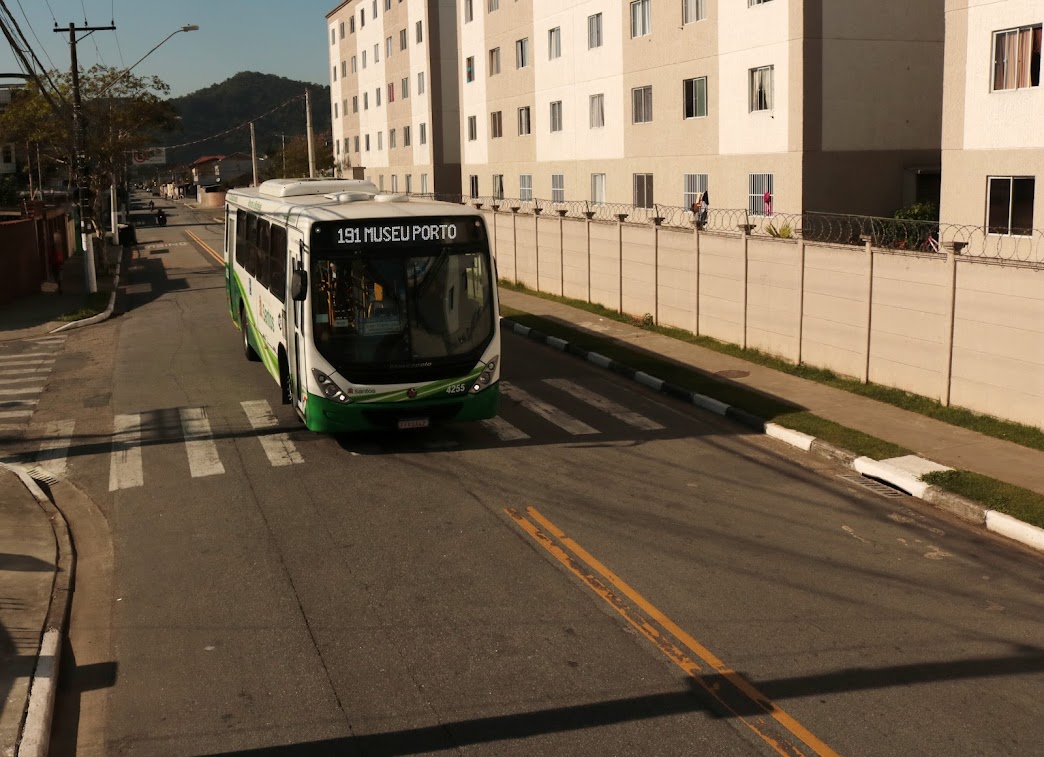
[[414, 423]]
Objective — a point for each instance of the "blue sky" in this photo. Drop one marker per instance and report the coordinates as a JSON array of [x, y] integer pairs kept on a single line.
[[284, 37]]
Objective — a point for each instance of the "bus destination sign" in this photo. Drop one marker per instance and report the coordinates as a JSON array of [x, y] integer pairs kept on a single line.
[[407, 231]]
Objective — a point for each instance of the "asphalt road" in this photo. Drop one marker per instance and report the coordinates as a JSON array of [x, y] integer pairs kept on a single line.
[[647, 579]]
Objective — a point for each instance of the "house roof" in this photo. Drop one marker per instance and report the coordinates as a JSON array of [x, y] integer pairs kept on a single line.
[[207, 159]]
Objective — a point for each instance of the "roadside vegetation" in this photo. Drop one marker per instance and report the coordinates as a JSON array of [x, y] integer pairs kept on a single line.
[[92, 305]]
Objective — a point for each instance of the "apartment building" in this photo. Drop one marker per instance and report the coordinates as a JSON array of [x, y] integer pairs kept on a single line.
[[8, 150], [395, 93], [828, 105], [993, 143]]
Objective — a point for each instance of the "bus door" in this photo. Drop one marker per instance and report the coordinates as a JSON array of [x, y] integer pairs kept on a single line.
[[295, 331]]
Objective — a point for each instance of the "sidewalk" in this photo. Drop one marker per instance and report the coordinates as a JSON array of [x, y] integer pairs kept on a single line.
[[28, 560], [953, 446]]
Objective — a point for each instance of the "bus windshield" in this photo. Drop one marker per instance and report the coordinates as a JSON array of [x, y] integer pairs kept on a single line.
[[401, 308]]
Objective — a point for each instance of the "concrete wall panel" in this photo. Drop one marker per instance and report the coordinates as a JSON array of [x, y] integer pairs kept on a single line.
[[835, 309], [721, 288], [773, 296]]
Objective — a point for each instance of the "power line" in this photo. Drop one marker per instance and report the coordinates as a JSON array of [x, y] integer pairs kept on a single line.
[[243, 125], [29, 24], [21, 53]]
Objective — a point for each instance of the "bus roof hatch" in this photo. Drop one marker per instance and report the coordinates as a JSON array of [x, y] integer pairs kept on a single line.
[[303, 187]]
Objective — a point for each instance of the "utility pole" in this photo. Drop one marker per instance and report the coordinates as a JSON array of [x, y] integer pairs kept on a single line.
[[77, 156], [253, 151], [308, 125]]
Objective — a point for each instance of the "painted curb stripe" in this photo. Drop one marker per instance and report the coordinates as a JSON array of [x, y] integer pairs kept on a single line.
[[1013, 528], [790, 436]]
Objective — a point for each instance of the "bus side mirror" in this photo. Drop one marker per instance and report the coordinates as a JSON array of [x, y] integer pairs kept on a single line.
[[299, 286]]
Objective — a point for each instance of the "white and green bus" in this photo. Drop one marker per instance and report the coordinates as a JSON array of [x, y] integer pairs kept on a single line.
[[370, 310]]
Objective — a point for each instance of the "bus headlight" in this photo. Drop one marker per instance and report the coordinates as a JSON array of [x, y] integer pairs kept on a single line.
[[485, 377], [330, 390]]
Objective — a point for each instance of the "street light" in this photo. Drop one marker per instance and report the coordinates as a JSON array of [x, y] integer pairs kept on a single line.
[[187, 28]]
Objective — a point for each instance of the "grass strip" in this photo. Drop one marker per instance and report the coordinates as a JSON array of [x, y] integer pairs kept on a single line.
[[92, 305], [1026, 505], [1018, 433], [762, 405]]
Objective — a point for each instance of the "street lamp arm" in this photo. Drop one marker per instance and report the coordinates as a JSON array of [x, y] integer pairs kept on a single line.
[[188, 28]]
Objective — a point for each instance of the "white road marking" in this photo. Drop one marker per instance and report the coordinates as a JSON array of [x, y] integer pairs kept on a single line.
[[12, 362], [11, 391], [24, 355], [604, 404], [278, 447], [504, 430], [199, 443], [548, 412], [25, 380], [15, 413], [16, 404], [54, 450], [125, 466]]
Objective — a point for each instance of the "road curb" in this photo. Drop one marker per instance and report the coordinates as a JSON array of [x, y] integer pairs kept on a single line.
[[105, 314], [36, 730], [962, 507]]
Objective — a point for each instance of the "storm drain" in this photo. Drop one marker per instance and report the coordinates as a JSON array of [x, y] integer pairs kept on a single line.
[[41, 476], [877, 487]]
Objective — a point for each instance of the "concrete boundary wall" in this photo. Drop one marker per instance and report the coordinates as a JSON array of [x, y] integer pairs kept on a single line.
[[961, 330]]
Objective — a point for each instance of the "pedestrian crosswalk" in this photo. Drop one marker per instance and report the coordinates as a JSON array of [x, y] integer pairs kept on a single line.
[[24, 370], [205, 439]]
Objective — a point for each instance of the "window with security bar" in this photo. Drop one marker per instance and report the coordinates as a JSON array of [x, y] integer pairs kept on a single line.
[[1016, 58], [525, 186], [643, 190], [761, 88], [557, 187], [760, 184]]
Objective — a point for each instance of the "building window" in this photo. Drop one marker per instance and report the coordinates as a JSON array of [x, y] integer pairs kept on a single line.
[[402, 39], [498, 186], [378, 95], [469, 11], [333, 36], [420, 32], [391, 92], [525, 187], [556, 115], [351, 29], [342, 29], [641, 18], [424, 134], [472, 128], [374, 10], [404, 88], [752, 3], [420, 83], [473, 185], [335, 73], [469, 68], [692, 10], [522, 53], [366, 100], [524, 125], [354, 65], [391, 139], [380, 140], [554, 43], [335, 112], [558, 187], [406, 138], [387, 4], [760, 194], [376, 53], [356, 142], [355, 103], [424, 183], [367, 140], [364, 58], [338, 146], [1009, 205], [388, 47], [643, 190], [694, 92], [395, 181], [594, 31], [362, 17], [492, 5], [695, 184], [409, 183], [496, 124], [1016, 58], [494, 61], [598, 187], [641, 105], [761, 88], [597, 108]]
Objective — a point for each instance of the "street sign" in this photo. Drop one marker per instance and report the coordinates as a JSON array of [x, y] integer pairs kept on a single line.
[[155, 157]]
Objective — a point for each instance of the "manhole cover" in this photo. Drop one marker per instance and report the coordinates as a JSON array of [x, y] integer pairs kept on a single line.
[[733, 374]]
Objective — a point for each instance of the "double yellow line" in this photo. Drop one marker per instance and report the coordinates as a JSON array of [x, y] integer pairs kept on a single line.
[[208, 249], [729, 689]]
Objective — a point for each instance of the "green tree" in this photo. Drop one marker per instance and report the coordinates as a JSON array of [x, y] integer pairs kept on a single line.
[[296, 156], [121, 113]]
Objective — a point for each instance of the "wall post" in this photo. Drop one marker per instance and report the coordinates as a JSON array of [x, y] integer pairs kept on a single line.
[[620, 218], [589, 214], [536, 242], [745, 228], [953, 249], [865, 378], [801, 301], [561, 252], [514, 242], [696, 282]]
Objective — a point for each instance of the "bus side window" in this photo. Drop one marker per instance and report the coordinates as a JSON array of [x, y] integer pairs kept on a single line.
[[278, 255], [264, 255]]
